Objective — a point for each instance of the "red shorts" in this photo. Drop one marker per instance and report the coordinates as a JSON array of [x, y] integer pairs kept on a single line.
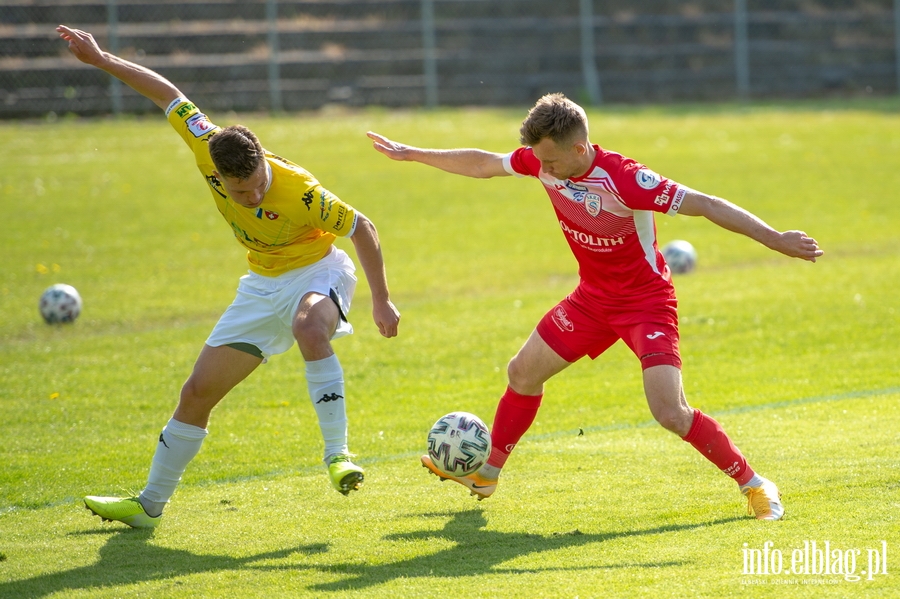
[[584, 325]]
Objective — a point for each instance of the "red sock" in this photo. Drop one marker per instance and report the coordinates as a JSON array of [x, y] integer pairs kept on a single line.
[[515, 414], [709, 438]]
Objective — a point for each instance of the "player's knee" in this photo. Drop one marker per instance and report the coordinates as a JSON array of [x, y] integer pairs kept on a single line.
[[674, 419], [310, 340], [191, 392], [193, 408], [314, 342], [521, 378], [312, 330]]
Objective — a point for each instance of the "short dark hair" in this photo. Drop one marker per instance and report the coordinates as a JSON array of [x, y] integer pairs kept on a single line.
[[236, 152], [556, 117]]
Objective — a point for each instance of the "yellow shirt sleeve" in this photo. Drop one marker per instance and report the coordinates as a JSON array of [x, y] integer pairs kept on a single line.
[[195, 129], [298, 220]]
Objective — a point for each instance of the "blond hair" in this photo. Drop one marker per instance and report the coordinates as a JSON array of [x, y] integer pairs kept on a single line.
[[554, 117]]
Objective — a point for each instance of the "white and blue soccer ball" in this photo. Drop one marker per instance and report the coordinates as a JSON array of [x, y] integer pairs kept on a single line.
[[680, 256], [459, 443], [60, 303]]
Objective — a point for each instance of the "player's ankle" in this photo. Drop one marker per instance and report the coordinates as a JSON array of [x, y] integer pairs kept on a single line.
[[756, 481], [152, 508], [489, 472]]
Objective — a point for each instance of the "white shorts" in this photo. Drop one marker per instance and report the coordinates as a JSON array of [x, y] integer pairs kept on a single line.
[[263, 310]]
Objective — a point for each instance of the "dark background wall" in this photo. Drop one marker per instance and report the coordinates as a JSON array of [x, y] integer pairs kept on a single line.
[[256, 55]]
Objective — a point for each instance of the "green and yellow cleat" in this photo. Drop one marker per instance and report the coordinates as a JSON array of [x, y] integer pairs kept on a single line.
[[345, 475], [121, 509]]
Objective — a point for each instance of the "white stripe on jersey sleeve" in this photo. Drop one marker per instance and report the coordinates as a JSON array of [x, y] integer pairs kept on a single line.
[[507, 166], [356, 216], [643, 224]]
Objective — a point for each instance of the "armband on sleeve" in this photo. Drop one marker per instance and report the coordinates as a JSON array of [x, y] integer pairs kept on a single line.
[[174, 103]]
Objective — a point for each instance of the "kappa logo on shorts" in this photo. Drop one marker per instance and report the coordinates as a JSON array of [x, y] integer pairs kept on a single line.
[[561, 319], [656, 334]]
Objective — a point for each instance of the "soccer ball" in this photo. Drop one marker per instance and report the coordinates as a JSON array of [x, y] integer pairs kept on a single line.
[[459, 443], [60, 303], [680, 256]]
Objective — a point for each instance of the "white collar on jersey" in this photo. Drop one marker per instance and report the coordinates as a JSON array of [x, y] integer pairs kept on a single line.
[[268, 176]]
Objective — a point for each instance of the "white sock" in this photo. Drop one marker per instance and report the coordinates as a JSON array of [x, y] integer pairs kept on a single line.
[[325, 381], [489, 472], [178, 444], [756, 481]]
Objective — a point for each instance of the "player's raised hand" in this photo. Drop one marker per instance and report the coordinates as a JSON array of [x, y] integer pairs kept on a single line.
[[82, 44], [470, 162], [798, 244], [391, 149]]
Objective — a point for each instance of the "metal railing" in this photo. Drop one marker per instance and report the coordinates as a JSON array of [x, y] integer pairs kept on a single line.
[[280, 55]]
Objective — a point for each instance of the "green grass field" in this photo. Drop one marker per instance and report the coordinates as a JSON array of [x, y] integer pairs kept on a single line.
[[798, 361]]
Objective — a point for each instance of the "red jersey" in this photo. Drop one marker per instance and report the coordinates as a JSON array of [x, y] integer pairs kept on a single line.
[[607, 218]]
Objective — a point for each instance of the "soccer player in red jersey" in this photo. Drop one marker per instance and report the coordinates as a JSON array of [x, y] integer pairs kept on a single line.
[[605, 203]]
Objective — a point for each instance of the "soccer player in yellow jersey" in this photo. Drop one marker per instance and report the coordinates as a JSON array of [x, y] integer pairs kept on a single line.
[[299, 286]]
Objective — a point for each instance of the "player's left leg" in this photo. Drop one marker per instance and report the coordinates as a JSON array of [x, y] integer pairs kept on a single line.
[[665, 397], [315, 322]]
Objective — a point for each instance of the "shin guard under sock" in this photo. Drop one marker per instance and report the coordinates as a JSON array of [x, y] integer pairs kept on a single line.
[[515, 415], [709, 438]]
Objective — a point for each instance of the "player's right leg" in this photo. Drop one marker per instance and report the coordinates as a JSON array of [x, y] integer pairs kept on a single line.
[[534, 364], [216, 372]]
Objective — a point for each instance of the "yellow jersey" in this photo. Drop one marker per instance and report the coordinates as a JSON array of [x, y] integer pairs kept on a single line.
[[298, 219]]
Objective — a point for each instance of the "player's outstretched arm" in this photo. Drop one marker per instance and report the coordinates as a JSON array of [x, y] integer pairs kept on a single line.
[[796, 244], [368, 250], [150, 84], [470, 162]]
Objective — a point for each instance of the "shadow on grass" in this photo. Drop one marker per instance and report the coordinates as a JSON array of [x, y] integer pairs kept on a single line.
[[477, 551], [129, 558]]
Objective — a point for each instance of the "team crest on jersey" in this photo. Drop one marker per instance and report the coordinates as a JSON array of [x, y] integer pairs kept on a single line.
[[593, 204], [267, 213], [647, 179]]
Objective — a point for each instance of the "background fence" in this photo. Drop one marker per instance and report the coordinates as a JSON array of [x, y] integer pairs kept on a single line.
[[249, 55]]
